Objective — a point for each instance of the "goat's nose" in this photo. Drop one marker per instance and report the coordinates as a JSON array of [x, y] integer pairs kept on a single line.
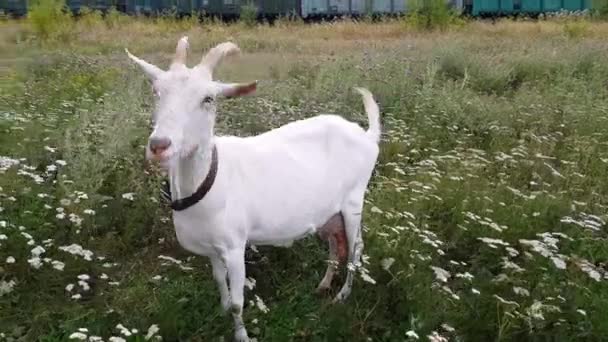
[[159, 145]]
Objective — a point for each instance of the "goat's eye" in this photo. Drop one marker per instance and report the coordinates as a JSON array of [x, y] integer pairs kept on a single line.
[[207, 99]]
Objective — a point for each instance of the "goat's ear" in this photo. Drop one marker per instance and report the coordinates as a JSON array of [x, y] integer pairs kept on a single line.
[[152, 71], [238, 89]]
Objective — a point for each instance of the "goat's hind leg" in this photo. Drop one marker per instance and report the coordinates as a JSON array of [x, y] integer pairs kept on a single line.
[[352, 225], [334, 233]]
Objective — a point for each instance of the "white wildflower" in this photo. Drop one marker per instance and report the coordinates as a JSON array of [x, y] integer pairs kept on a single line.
[[85, 286], [123, 330], [37, 251], [367, 278], [507, 302], [588, 268], [168, 258], [582, 312], [412, 334], [465, 275], [6, 286], [75, 249], [376, 210], [89, 211], [387, 263], [559, 263], [512, 251], [77, 220], [78, 336], [116, 339], [441, 274], [35, 262], [58, 265], [450, 292], [129, 196], [10, 260], [260, 304], [447, 327], [249, 282], [521, 291], [435, 337], [152, 330]]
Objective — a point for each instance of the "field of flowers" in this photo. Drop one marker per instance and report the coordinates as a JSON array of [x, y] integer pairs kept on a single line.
[[485, 219]]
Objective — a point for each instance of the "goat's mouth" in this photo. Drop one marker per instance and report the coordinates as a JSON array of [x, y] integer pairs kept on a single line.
[[163, 158]]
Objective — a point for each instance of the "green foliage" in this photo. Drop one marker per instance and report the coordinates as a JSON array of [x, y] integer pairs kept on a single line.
[[600, 7], [90, 18], [248, 14], [50, 19], [431, 15]]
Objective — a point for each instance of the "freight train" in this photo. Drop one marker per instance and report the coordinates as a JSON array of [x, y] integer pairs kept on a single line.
[[308, 8]]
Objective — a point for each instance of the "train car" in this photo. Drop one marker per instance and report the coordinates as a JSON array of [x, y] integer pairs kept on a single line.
[[157, 7], [13, 7], [264, 8], [99, 5], [529, 7], [309, 9]]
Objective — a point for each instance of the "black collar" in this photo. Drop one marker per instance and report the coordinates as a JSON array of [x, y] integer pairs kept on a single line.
[[202, 190]]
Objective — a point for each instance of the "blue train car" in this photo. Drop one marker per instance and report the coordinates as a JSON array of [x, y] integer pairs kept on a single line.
[[508, 7]]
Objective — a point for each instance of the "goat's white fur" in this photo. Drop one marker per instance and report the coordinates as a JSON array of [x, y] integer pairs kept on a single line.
[[270, 189]]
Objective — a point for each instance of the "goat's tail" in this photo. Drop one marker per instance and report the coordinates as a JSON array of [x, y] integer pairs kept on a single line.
[[373, 113]]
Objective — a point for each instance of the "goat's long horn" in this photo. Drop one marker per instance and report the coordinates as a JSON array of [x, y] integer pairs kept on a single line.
[[213, 58], [151, 70], [181, 51]]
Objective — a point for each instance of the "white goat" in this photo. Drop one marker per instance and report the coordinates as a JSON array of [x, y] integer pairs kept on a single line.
[[305, 177]]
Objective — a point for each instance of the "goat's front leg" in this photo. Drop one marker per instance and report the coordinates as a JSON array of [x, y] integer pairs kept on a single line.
[[219, 273], [235, 262]]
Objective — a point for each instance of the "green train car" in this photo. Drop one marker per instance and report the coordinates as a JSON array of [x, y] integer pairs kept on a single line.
[[531, 7]]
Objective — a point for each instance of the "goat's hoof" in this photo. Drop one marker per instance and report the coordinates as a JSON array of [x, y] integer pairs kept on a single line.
[[322, 290], [337, 299], [241, 335], [340, 297]]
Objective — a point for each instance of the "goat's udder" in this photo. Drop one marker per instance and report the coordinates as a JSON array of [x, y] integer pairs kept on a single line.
[[334, 229]]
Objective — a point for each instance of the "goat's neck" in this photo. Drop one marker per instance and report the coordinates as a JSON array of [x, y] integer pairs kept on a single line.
[[188, 173]]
